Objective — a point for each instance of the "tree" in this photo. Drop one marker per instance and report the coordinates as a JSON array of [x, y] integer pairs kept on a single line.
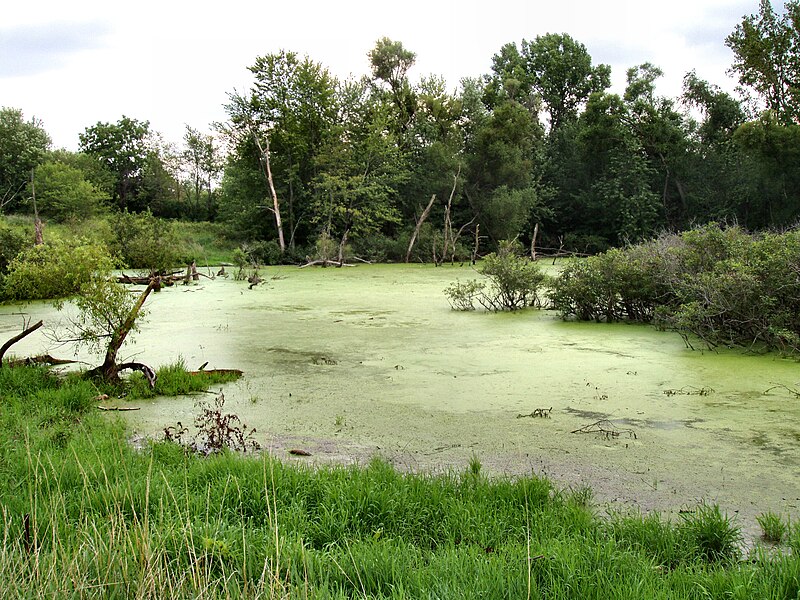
[[123, 147], [23, 145], [360, 168], [279, 127], [766, 49], [390, 63], [560, 70], [63, 193], [201, 160]]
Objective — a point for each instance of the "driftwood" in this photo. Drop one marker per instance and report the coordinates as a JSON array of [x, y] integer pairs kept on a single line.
[[544, 413], [299, 452], [325, 263], [26, 331], [42, 359], [605, 428], [145, 370]]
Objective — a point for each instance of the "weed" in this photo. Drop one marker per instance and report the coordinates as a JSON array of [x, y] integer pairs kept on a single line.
[[773, 527], [216, 431], [475, 466], [712, 534]]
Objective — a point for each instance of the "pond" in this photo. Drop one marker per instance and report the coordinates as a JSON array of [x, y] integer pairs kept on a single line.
[[371, 360]]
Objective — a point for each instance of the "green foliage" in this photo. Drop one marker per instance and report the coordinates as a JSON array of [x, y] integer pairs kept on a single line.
[[57, 269], [23, 145], [514, 282], [63, 193], [462, 296], [12, 242], [773, 527], [711, 534], [721, 285], [144, 241], [765, 57]]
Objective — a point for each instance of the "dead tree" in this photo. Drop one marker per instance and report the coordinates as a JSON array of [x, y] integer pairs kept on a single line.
[[421, 220], [263, 149]]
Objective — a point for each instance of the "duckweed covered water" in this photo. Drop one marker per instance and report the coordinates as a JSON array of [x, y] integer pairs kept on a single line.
[[348, 363]]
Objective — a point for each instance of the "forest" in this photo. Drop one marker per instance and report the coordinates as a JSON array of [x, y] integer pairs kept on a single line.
[[397, 168]]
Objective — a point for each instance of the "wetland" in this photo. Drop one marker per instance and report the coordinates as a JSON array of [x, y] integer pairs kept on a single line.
[[348, 364]]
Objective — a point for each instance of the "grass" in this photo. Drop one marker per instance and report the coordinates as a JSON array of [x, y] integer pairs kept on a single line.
[[84, 514], [207, 242]]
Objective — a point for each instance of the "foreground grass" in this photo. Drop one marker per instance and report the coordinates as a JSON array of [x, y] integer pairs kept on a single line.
[[85, 515]]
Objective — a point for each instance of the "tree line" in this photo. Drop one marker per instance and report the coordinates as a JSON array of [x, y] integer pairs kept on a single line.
[[539, 149]]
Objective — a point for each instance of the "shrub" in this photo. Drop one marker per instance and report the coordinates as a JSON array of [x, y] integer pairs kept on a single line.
[[722, 286], [462, 296], [514, 283], [56, 269], [12, 242], [145, 242]]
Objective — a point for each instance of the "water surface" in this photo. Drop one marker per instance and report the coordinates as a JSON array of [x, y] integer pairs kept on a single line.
[[348, 363]]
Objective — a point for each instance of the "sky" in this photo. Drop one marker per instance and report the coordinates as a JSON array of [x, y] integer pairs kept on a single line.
[[75, 63]]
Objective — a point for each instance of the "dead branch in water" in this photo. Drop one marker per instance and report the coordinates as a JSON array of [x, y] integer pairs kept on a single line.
[[605, 428], [780, 386], [690, 390], [544, 413]]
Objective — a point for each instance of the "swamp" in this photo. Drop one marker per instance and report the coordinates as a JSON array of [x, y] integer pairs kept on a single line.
[[349, 364]]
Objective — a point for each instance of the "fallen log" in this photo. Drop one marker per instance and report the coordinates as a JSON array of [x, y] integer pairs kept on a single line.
[[42, 359], [325, 263], [145, 370]]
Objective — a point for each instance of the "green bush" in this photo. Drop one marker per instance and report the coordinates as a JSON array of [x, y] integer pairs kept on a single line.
[[722, 286], [144, 242], [514, 282], [56, 269], [12, 241]]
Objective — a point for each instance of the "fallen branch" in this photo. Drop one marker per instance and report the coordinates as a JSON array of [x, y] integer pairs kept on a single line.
[[544, 413], [42, 359], [605, 428], [325, 263], [781, 386], [25, 332]]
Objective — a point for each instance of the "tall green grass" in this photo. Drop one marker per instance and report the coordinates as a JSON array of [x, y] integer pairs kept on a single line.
[[87, 515]]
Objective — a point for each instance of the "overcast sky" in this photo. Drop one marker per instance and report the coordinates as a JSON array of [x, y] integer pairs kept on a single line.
[[74, 63]]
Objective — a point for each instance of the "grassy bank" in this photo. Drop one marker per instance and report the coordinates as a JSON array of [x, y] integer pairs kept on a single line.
[[85, 514]]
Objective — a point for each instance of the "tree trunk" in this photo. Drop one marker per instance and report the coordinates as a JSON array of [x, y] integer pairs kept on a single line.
[[276, 207], [533, 241], [341, 246], [109, 370], [419, 226]]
